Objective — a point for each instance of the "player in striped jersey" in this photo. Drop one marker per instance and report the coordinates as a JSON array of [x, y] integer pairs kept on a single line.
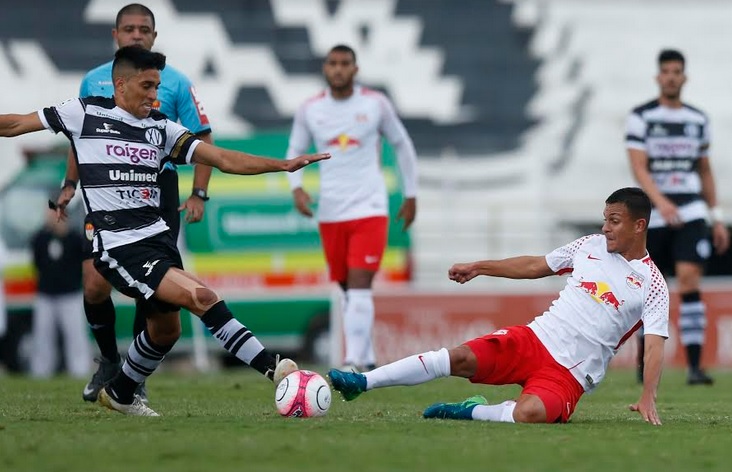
[[668, 146], [121, 143], [135, 25]]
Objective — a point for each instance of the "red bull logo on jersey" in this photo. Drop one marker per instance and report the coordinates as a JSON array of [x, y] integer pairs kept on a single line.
[[634, 280], [601, 292], [344, 141]]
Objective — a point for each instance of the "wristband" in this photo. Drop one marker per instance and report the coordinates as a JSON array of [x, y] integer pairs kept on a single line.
[[717, 214], [200, 193], [69, 183]]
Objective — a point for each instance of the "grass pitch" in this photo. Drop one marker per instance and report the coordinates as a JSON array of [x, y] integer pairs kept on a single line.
[[227, 421]]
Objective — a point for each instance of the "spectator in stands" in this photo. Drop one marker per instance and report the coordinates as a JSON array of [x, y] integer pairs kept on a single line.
[[668, 146], [613, 287], [348, 120], [57, 257], [135, 25]]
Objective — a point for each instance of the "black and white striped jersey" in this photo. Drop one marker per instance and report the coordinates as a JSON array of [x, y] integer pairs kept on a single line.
[[674, 139], [119, 157]]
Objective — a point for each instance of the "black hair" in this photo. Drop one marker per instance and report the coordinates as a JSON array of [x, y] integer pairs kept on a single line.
[[634, 199], [668, 55], [344, 48], [134, 9], [137, 58]]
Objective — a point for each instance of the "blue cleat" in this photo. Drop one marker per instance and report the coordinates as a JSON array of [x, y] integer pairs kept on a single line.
[[455, 411], [350, 384]]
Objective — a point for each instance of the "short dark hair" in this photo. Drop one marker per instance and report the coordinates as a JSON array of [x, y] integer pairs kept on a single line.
[[668, 55], [634, 199], [344, 48], [134, 9], [138, 58]]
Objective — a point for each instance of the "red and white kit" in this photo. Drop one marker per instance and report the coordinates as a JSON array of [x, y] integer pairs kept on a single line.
[[606, 299], [352, 185]]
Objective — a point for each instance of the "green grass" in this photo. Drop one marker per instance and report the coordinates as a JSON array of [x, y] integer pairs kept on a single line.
[[227, 421]]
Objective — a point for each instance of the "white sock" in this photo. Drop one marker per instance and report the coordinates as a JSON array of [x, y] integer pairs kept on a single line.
[[412, 370], [503, 412], [358, 324]]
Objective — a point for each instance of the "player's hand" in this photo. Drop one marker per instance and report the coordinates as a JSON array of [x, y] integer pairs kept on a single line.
[[670, 213], [407, 212], [302, 202], [291, 165], [720, 237], [63, 200], [462, 273], [194, 207], [647, 410]]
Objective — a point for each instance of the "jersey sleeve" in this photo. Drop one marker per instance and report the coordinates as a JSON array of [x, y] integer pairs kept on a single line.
[[561, 259], [656, 305], [300, 139], [395, 132], [191, 113], [180, 143], [65, 118], [635, 132]]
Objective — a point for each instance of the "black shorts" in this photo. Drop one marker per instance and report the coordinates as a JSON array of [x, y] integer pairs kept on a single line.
[[169, 203], [690, 243], [136, 269]]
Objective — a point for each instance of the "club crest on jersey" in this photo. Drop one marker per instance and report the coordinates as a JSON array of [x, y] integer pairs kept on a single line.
[[154, 136], [89, 231], [634, 280], [691, 130]]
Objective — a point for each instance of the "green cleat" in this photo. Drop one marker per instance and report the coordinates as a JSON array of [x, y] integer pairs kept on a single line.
[[455, 411], [350, 384]]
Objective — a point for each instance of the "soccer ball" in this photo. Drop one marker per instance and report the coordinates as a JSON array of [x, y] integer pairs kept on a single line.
[[303, 394]]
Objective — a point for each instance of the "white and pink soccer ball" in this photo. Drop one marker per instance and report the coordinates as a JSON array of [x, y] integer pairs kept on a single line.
[[303, 394]]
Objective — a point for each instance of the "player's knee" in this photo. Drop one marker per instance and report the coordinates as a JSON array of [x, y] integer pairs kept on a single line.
[[463, 362], [205, 298], [96, 290], [532, 411]]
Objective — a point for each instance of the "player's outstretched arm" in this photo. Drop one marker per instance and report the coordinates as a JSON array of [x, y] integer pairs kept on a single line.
[[235, 162], [653, 365], [521, 267], [15, 125]]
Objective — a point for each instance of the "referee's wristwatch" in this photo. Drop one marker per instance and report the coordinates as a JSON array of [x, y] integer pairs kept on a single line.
[[200, 193]]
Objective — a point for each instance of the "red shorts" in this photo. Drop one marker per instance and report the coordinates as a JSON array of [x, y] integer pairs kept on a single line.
[[514, 355], [357, 244]]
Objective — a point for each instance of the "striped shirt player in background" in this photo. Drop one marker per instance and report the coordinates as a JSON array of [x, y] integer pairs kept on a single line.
[[133, 246], [135, 25], [668, 147], [348, 121], [613, 288]]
